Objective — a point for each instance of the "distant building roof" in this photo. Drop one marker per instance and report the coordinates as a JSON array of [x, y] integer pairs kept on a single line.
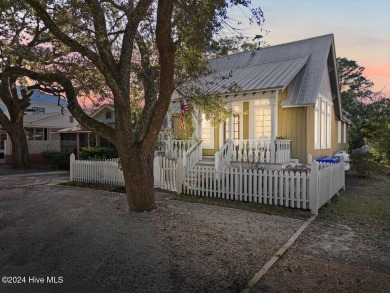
[[39, 117], [39, 96]]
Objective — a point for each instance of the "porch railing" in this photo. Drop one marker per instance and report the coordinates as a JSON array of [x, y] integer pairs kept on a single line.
[[261, 151], [282, 150], [175, 148], [224, 155], [192, 156]]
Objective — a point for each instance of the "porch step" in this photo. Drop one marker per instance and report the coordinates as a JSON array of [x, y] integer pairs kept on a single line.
[[206, 161]]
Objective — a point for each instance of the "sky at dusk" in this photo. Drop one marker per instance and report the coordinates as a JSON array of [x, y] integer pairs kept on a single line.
[[361, 29]]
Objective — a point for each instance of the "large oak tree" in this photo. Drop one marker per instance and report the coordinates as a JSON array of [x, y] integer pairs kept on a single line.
[[130, 44]]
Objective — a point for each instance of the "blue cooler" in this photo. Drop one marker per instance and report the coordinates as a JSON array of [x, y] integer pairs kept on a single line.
[[332, 160]]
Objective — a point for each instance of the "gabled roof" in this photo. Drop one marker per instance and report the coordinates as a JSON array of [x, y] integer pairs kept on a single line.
[[275, 67], [101, 108], [42, 97]]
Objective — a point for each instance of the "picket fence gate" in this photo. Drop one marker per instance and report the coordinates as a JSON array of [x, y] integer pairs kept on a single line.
[[109, 172]]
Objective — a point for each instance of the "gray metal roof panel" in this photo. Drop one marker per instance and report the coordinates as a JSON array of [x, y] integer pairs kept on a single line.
[[271, 67], [255, 77]]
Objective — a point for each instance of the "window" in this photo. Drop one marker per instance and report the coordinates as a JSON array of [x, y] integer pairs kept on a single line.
[[317, 126], [322, 124], [262, 118], [3, 137], [36, 133], [71, 119], [339, 131], [345, 133], [329, 126], [38, 110], [108, 114]]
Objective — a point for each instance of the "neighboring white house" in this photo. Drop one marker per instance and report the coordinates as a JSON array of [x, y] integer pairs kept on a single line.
[[46, 115]]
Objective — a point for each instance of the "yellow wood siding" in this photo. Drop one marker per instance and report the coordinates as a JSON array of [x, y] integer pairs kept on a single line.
[[292, 125], [177, 132], [245, 131]]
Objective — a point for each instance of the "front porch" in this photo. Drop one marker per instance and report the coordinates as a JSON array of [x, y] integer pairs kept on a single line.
[[255, 151]]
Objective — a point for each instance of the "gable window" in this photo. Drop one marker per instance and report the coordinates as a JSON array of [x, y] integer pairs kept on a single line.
[[71, 119], [322, 124], [108, 114]]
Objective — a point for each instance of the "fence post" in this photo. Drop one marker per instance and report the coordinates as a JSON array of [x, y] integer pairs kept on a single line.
[[309, 159], [179, 175], [342, 172], [313, 188], [71, 170]]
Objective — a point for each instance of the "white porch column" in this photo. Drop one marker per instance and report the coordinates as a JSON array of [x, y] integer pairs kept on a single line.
[[274, 124], [230, 105], [199, 129]]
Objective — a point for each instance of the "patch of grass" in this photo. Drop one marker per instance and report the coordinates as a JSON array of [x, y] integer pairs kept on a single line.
[[367, 201], [365, 206], [247, 206]]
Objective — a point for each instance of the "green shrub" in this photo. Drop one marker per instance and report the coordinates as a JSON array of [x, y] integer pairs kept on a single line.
[[98, 153], [364, 164], [57, 160]]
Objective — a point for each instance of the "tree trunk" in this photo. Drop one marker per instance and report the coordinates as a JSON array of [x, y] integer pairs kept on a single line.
[[18, 138], [139, 181]]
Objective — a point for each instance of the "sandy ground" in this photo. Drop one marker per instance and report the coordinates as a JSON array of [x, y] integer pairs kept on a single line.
[[89, 241]]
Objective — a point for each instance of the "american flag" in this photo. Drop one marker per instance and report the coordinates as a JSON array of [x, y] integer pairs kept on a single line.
[[184, 108]]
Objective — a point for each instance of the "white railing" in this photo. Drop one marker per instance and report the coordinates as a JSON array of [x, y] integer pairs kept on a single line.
[[192, 156], [251, 150], [174, 148], [165, 172], [224, 155], [261, 151], [283, 150]]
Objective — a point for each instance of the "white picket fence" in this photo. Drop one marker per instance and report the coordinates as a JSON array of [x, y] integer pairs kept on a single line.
[[108, 172], [285, 188]]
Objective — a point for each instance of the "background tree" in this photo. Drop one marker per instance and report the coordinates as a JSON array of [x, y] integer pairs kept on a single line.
[[130, 44], [369, 110]]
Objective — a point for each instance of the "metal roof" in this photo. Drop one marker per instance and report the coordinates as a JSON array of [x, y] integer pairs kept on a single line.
[[299, 65], [41, 97], [255, 77]]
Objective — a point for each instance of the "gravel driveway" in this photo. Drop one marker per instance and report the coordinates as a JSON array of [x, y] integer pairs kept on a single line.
[[89, 239]]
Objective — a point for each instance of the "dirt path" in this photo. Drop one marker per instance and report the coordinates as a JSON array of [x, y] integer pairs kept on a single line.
[[343, 252]]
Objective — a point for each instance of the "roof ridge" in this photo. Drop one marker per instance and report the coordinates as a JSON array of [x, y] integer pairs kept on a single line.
[[276, 61], [273, 46]]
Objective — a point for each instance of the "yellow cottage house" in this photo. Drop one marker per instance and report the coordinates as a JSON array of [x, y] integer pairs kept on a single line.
[[285, 101]]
